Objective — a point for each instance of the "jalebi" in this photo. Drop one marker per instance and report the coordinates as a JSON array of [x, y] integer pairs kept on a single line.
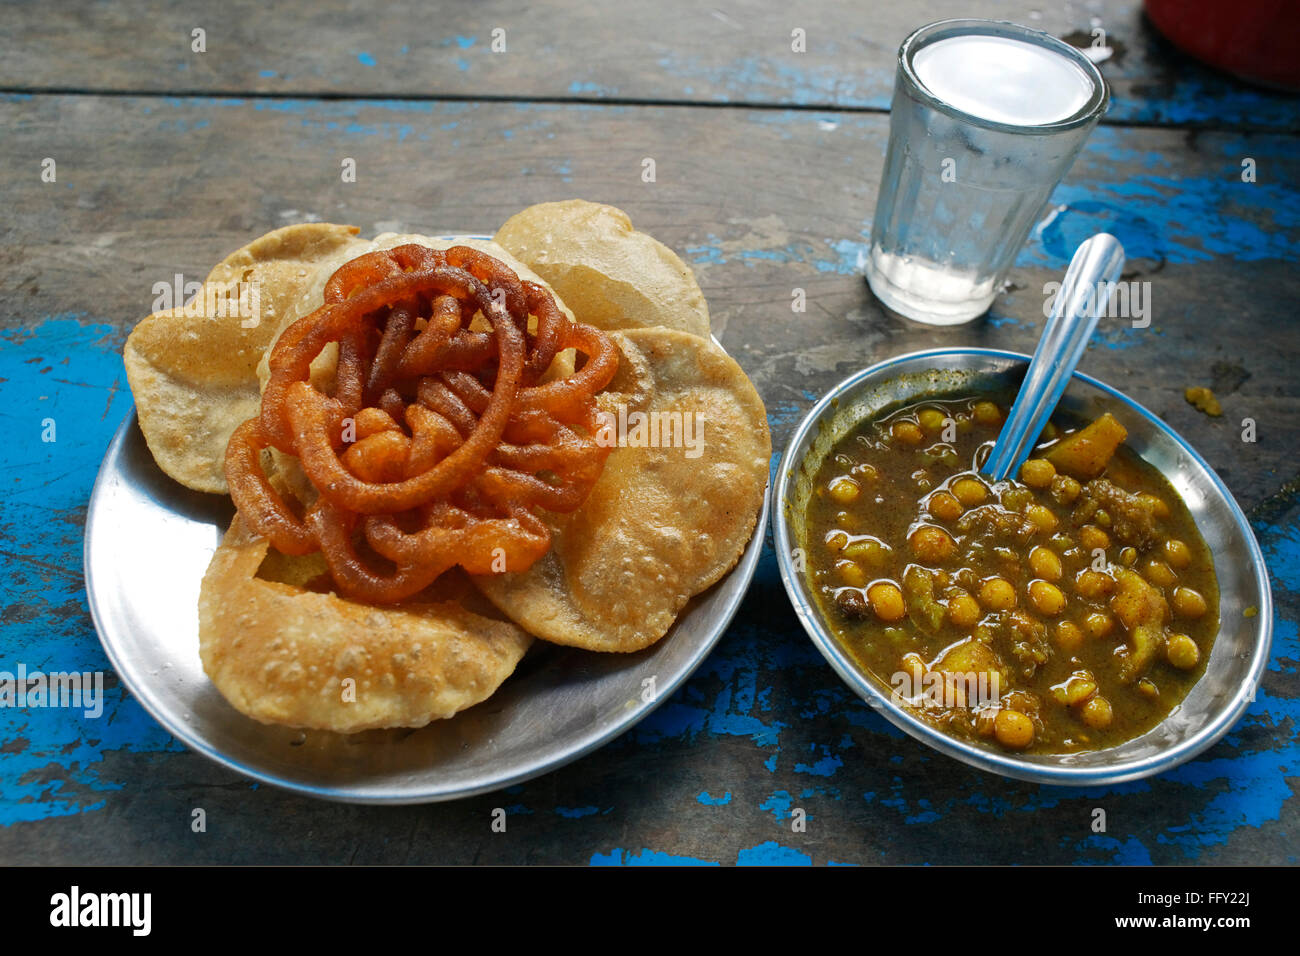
[[439, 438]]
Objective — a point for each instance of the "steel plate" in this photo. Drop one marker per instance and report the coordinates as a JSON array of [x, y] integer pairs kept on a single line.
[[148, 542]]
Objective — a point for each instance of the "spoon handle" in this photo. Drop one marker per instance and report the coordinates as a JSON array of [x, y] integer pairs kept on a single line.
[[1083, 296]]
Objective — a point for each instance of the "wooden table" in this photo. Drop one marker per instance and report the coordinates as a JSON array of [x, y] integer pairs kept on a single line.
[[767, 167]]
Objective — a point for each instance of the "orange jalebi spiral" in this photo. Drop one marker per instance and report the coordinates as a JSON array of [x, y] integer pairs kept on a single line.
[[439, 440]]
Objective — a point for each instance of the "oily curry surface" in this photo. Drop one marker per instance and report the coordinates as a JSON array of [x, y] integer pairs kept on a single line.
[[1068, 610]]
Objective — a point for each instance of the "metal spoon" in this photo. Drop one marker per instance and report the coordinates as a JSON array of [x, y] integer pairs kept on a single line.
[[1083, 296]]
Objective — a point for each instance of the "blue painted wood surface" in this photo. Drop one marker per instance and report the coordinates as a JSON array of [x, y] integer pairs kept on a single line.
[[764, 727]]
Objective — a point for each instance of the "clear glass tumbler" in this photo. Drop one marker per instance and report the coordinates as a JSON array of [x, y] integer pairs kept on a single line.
[[987, 117]]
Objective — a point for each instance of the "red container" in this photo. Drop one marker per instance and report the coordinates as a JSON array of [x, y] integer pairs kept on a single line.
[[1257, 40]]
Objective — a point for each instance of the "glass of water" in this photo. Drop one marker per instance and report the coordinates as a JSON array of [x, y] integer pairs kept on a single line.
[[987, 117]]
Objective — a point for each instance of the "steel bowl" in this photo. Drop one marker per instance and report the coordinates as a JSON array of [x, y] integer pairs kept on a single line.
[[1240, 652]]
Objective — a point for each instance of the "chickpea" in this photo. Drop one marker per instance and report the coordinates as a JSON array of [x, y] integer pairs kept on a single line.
[[1037, 473], [864, 470], [969, 491], [1047, 598], [1188, 602], [963, 610], [986, 413], [1013, 730], [1080, 689], [1093, 584], [1090, 537], [1148, 689], [874, 553], [1042, 516], [852, 574], [1045, 563], [997, 594], [931, 419], [1061, 542], [1177, 553], [1158, 506], [932, 544], [1127, 556], [909, 433], [914, 665], [1068, 636], [1097, 713], [944, 506], [1016, 498], [1159, 573], [836, 540], [1098, 624], [1182, 652], [886, 600], [844, 490], [1065, 489]]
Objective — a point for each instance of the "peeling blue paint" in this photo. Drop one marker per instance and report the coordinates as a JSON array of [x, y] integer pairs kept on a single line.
[[769, 853], [67, 369], [778, 804], [825, 766], [710, 801], [619, 857], [772, 853]]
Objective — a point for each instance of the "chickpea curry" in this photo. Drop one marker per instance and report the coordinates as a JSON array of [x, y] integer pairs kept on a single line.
[[1069, 610]]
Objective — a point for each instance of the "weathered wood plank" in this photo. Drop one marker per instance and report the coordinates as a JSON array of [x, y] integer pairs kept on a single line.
[[677, 50], [761, 202]]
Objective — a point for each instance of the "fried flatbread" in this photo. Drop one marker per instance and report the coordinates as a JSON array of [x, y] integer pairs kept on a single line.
[[661, 524], [193, 371], [612, 276], [284, 655]]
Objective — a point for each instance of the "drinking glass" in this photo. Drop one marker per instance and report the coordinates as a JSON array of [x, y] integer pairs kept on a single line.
[[987, 117]]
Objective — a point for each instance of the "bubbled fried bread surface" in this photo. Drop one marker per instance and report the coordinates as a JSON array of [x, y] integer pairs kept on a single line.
[[658, 527], [611, 275], [282, 654], [194, 376]]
